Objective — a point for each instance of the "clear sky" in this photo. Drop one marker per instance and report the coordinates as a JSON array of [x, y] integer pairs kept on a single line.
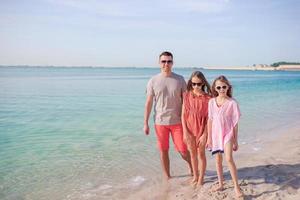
[[126, 33]]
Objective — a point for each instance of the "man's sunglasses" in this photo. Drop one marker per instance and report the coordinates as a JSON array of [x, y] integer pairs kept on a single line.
[[223, 87], [198, 84], [166, 61]]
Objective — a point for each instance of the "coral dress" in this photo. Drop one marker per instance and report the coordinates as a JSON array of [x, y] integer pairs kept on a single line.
[[224, 119], [196, 113]]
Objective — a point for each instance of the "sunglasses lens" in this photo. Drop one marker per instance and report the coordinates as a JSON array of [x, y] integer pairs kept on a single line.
[[223, 87], [166, 61], [198, 84]]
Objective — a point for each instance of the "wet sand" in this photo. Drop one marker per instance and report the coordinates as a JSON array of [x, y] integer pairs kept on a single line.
[[272, 172]]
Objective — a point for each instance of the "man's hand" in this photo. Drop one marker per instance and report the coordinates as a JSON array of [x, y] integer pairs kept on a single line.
[[146, 129]]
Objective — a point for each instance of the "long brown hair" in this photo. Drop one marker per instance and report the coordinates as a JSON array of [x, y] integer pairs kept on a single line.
[[205, 87], [224, 80]]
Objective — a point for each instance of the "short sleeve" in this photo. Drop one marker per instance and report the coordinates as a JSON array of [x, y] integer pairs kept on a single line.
[[236, 113], [183, 85], [210, 109], [185, 96], [149, 89]]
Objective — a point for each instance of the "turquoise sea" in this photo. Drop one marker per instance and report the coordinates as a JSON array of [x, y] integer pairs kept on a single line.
[[76, 133]]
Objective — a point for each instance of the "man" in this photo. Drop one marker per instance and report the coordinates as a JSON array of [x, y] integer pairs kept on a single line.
[[166, 89]]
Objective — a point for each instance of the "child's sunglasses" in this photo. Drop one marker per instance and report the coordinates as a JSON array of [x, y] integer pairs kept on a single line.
[[198, 84], [223, 87]]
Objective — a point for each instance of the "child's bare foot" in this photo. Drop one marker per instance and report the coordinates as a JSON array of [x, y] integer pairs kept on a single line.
[[166, 178], [219, 188], [191, 172], [200, 182], [194, 181], [238, 192]]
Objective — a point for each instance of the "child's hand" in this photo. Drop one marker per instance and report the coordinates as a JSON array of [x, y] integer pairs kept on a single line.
[[202, 140], [208, 144], [186, 137], [235, 145]]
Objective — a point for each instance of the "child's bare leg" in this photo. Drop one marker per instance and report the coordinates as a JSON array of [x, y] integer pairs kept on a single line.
[[202, 164], [232, 168], [219, 167], [191, 144]]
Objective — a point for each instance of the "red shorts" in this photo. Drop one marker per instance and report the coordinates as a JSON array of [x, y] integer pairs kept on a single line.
[[163, 132]]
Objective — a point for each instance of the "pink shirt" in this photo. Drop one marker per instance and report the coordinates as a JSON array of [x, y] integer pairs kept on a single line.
[[224, 119]]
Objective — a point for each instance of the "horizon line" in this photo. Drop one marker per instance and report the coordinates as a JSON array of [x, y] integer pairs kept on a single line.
[[135, 67]]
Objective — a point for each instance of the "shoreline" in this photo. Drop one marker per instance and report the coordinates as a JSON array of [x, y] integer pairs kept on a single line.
[[243, 68], [280, 68], [271, 172]]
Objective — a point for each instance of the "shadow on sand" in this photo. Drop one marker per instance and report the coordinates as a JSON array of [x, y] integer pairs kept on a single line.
[[285, 176]]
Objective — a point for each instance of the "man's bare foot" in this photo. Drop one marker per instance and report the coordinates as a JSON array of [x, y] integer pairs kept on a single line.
[[238, 192]]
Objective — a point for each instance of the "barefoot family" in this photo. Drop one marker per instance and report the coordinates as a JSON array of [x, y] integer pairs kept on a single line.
[[197, 116]]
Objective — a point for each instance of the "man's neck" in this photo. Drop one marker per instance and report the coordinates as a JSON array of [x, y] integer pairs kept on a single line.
[[166, 73]]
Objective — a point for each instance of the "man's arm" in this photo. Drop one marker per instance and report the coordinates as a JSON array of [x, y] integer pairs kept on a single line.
[[148, 107], [184, 127]]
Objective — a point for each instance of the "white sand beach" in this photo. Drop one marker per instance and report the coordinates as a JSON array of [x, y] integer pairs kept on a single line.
[[273, 172]]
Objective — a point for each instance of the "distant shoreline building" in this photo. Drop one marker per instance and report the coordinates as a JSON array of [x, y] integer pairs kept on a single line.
[[287, 67], [263, 67]]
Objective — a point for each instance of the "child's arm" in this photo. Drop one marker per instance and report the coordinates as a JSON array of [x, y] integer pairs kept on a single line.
[[235, 138], [203, 138], [235, 132], [236, 115], [209, 139]]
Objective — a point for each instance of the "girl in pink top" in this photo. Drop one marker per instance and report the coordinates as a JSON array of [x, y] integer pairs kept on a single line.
[[223, 117], [194, 122]]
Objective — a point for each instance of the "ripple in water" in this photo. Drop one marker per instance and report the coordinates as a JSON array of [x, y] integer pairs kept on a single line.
[[137, 181]]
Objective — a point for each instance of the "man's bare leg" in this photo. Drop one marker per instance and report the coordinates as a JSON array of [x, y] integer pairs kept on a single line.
[[187, 157], [165, 163]]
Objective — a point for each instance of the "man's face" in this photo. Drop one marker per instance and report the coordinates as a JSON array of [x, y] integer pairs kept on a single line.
[[166, 63]]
